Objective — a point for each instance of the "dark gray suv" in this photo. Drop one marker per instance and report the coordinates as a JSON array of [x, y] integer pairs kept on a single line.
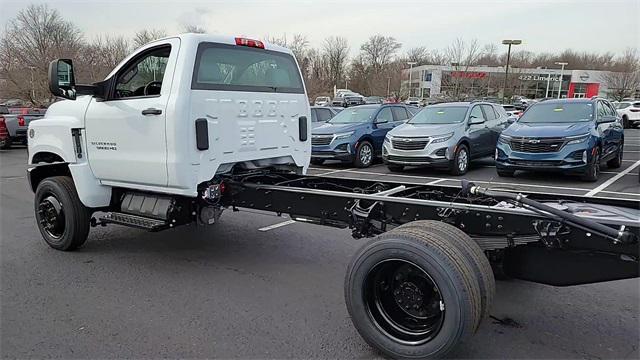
[[446, 135]]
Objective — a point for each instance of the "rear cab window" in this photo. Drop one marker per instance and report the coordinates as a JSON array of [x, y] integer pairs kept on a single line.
[[241, 68]]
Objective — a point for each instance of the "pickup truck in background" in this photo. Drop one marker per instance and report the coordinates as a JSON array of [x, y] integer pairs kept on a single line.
[[16, 122]]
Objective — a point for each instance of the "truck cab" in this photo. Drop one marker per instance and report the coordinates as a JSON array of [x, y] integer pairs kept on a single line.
[[169, 119]]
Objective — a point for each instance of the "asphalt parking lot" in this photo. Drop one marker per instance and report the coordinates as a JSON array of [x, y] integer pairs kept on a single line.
[[258, 286]]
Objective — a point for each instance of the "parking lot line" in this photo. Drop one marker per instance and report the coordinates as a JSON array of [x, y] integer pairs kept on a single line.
[[275, 226], [607, 183], [436, 181], [333, 172]]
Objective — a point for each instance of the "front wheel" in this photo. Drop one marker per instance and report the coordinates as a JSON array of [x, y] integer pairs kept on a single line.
[[625, 122], [593, 171], [364, 155], [461, 160], [62, 219]]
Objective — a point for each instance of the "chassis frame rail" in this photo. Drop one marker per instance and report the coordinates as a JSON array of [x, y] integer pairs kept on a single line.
[[558, 242]]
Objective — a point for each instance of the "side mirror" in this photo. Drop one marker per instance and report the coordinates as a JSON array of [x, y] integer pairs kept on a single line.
[[381, 121], [475, 120], [606, 119], [62, 80]]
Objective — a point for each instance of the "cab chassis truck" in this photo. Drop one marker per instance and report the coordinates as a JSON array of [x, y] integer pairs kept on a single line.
[[222, 123]]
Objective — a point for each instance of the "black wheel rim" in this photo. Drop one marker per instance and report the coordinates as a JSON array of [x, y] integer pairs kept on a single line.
[[404, 302], [51, 216]]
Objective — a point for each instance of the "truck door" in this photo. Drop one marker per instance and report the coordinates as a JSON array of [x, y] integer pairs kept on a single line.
[[126, 133]]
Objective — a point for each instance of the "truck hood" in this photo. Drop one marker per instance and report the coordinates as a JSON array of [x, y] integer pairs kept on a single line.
[[423, 130], [329, 128], [72, 111], [548, 129]]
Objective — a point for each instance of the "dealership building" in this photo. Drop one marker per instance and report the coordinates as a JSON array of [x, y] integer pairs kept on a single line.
[[478, 81]]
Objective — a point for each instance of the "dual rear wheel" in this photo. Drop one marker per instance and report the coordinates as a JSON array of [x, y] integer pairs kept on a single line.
[[419, 289]]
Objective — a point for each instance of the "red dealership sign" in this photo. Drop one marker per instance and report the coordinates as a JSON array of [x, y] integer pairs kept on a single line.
[[469, 74]]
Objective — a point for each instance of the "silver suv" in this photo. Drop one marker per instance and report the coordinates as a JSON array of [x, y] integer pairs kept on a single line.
[[446, 135]]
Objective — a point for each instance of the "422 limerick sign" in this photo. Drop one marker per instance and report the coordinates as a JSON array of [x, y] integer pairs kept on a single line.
[[536, 77]]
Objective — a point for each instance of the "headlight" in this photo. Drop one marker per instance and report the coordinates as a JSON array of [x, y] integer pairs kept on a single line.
[[387, 138], [504, 138], [441, 138], [343, 135], [577, 139]]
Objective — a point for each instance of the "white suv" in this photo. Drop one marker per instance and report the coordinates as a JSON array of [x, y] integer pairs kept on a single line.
[[630, 112]]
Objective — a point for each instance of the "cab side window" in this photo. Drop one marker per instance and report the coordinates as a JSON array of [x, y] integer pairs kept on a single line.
[[384, 115], [399, 114], [600, 110], [489, 113], [476, 113], [143, 75]]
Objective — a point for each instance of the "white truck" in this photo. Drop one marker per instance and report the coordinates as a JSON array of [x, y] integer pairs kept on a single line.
[[190, 125]]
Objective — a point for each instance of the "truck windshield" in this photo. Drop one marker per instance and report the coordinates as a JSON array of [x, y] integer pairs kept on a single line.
[[558, 113], [240, 68], [440, 115], [354, 115]]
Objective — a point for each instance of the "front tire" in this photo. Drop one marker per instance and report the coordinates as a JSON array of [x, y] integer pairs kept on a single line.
[[62, 219], [461, 160], [593, 171], [413, 294], [364, 155]]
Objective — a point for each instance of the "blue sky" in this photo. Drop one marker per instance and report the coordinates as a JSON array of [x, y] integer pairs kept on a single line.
[[543, 25]]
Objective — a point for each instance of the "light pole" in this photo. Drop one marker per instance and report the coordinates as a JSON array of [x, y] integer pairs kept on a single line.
[[561, 74], [455, 86], [546, 93], [410, 63], [506, 69], [33, 90]]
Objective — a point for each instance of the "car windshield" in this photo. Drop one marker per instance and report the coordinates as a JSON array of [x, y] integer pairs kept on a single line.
[[440, 115], [623, 105], [558, 113], [354, 115]]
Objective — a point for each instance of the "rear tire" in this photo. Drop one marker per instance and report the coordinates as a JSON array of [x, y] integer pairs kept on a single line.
[[617, 161], [7, 144], [364, 155], [62, 219], [461, 160], [395, 167], [625, 122], [472, 251], [399, 287]]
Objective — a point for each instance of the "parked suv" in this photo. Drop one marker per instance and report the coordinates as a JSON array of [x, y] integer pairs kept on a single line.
[[356, 134], [569, 135], [446, 135], [630, 112]]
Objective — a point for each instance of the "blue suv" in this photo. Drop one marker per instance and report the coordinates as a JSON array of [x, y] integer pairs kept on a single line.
[[572, 136], [356, 134]]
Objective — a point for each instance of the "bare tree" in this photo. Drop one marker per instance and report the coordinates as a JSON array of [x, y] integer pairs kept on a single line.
[[100, 56], [37, 35], [190, 28], [461, 55], [625, 81], [379, 51], [336, 51], [419, 55], [145, 36]]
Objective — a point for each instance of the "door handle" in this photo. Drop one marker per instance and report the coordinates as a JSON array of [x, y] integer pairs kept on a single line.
[[151, 111]]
